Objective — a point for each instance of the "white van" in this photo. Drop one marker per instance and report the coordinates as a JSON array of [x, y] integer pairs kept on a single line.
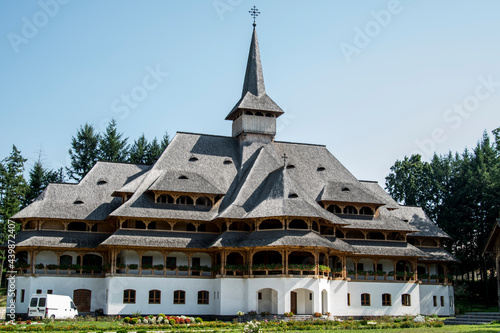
[[51, 306]]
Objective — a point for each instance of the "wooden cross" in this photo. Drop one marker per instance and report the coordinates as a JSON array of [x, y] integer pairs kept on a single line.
[[254, 12]]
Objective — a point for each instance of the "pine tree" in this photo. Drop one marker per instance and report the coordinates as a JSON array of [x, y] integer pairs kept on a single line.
[[165, 141], [13, 189], [154, 151], [111, 145], [84, 152], [138, 152], [39, 179]]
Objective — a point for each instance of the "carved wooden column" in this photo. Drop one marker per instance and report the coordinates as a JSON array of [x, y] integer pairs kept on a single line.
[[343, 260], [189, 255], [316, 263], [146, 223], [140, 253]]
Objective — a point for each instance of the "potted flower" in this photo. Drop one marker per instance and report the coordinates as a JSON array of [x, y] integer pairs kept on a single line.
[[133, 266], [120, 266], [289, 314], [324, 269], [317, 314], [52, 267], [158, 267], [39, 266], [183, 268]]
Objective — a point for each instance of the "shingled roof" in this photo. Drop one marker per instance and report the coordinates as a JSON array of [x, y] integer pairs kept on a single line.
[[59, 239], [385, 248], [437, 254], [417, 218], [89, 200], [348, 192], [183, 181]]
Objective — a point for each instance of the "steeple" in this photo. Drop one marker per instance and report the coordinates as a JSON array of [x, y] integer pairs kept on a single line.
[[255, 112]]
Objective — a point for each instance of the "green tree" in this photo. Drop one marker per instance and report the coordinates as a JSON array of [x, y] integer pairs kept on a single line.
[[84, 152], [139, 151], [39, 179], [13, 190], [154, 151], [165, 141], [112, 147]]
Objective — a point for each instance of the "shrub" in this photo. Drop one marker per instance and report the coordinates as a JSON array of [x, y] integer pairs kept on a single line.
[[317, 314], [171, 321], [134, 321], [198, 320], [133, 266], [126, 320], [141, 331]]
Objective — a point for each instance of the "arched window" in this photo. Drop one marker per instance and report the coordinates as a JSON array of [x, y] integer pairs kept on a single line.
[[386, 299], [366, 211], [129, 296], [77, 226], [203, 201], [154, 296], [270, 224], [334, 209], [298, 224], [350, 210], [270, 115], [165, 198], [249, 113], [203, 297], [365, 299], [259, 114], [184, 200], [179, 297]]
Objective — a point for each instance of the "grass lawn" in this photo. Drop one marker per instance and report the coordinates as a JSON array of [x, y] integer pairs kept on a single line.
[[92, 326]]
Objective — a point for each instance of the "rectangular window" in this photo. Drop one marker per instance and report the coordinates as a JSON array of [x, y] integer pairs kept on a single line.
[[310, 296], [365, 299], [260, 295], [451, 301], [154, 296], [23, 292], [129, 296], [39, 291], [203, 297], [442, 300], [360, 267], [171, 262], [179, 297], [147, 260], [380, 267], [348, 299], [15, 295], [405, 300], [49, 291], [386, 300], [435, 300]]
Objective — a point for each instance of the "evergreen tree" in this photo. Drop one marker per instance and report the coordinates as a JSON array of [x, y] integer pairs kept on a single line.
[[139, 151], [111, 145], [84, 152], [154, 151], [165, 141], [39, 179], [13, 189]]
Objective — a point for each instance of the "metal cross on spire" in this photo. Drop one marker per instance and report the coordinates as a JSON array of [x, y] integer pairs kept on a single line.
[[284, 159], [254, 12]]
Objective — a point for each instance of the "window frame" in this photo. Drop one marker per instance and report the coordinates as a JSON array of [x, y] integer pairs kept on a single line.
[[365, 299], [406, 300], [203, 297], [129, 296], [179, 297], [155, 298], [386, 299]]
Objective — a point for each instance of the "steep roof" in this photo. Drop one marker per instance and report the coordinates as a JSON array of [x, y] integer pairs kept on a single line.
[[254, 94], [437, 254], [59, 239], [183, 181], [418, 219], [353, 192], [88, 200]]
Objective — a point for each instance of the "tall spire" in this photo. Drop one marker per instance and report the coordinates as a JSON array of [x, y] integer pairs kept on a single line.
[[253, 96], [254, 78]]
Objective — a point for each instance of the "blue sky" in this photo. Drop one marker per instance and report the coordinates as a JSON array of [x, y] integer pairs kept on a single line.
[[373, 80]]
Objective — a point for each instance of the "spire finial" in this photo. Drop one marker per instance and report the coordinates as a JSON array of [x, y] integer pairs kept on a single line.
[[254, 12]]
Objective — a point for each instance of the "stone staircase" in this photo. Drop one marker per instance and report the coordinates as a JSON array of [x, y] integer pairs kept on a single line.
[[473, 318]]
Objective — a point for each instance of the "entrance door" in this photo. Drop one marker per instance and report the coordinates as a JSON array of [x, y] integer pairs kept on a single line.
[[293, 302], [81, 298]]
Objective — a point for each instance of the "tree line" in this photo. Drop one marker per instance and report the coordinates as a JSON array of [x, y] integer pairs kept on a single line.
[[461, 193], [87, 147]]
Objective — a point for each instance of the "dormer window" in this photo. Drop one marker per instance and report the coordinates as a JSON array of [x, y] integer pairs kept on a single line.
[[293, 195], [183, 177], [78, 202], [102, 181], [345, 189], [320, 169], [290, 166], [226, 162], [193, 159]]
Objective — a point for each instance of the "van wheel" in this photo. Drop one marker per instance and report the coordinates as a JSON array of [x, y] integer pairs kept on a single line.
[[53, 317]]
